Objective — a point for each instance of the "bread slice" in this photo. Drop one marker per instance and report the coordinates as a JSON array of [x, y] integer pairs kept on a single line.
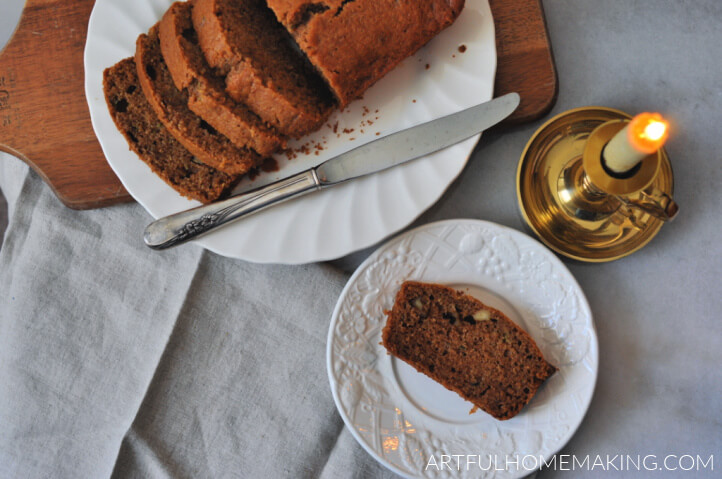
[[149, 139], [466, 346], [206, 91], [244, 42], [353, 43], [171, 107]]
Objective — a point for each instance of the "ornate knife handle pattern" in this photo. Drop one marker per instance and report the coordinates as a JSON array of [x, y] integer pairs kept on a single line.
[[181, 227], [197, 227]]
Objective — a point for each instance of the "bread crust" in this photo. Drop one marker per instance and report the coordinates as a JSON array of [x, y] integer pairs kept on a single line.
[[171, 107], [150, 140], [206, 92], [375, 34], [244, 43]]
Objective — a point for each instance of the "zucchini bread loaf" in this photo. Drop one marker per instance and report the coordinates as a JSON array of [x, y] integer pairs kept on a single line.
[[353, 43], [220, 84], [466, 346]]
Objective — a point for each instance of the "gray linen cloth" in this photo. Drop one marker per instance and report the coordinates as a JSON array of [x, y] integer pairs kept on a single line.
[[118, 360]]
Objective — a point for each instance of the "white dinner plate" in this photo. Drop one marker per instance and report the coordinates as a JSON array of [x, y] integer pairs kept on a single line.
[[402, 417], [344, 219]]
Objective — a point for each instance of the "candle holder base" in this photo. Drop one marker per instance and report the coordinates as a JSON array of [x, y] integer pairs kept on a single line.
[[571, 214]]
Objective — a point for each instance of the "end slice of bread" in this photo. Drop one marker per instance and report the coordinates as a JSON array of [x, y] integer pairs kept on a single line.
[[150, 140]]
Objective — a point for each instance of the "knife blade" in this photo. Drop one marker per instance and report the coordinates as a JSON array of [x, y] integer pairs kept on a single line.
[[373, 157]]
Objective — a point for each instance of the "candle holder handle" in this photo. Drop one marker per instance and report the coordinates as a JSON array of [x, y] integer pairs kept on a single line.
[[653, 201]]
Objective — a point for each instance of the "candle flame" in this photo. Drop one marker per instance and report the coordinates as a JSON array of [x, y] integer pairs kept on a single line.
[[655, 130], [648, 132]]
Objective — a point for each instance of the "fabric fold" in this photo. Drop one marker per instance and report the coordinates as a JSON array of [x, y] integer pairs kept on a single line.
[[241, 389], [120, 361], [87, 313]]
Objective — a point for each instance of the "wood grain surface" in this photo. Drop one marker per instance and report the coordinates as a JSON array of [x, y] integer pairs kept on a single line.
[[44, 118], [525, 63]]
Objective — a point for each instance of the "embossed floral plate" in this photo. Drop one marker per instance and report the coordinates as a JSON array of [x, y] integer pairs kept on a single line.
[[407, 421]]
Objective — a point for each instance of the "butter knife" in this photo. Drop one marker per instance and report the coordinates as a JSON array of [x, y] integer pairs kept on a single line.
[[375, 156]]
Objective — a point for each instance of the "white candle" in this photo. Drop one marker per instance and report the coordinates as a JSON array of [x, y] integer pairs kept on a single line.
[[644, 135]]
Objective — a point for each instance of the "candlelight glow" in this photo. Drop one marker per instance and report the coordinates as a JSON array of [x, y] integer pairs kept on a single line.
[[648, 132]]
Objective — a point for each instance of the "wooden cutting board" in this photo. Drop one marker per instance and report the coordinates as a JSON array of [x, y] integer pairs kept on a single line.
[[44, 118]]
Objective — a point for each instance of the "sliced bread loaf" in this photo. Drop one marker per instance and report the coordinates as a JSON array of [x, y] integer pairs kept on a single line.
[[150, 140], [466, 346], [244, 42], [353, 43], [206, 92], [171, 107]]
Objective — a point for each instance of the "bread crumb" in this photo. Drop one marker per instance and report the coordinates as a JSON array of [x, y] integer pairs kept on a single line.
[[269, 165]]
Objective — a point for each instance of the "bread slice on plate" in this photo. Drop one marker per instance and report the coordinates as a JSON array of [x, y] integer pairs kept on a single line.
[[207, 97], [150, 140], [263, 70], [466, 346], [353, 43], [171, 107]]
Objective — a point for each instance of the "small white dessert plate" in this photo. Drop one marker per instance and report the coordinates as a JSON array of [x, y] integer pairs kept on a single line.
[[407, 421]]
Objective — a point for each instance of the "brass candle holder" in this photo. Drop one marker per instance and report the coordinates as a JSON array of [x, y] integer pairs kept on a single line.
[[575, 205]]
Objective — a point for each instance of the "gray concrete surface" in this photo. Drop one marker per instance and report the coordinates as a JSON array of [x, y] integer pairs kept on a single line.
[[9, 15]]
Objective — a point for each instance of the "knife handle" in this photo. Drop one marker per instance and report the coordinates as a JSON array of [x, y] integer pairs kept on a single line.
[[181, 227]]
